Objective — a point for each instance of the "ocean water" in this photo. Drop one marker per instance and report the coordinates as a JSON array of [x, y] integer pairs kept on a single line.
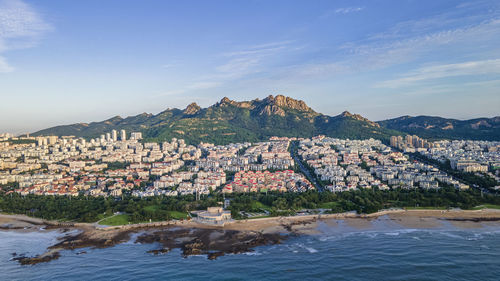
[[383, 252]]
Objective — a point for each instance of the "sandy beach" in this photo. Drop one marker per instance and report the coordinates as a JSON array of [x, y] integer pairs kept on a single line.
[[20, 223], [237, 236], [406, 218]]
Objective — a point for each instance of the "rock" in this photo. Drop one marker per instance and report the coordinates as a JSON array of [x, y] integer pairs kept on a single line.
[[159, 251], [359, 118], [192, 109], [287, 102], [215, 255]]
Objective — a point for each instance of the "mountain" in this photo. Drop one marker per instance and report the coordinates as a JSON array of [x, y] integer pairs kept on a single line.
[[439, 128], [232, 121]]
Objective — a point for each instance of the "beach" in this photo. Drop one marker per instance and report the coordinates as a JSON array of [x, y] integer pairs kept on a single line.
[[235, 237]]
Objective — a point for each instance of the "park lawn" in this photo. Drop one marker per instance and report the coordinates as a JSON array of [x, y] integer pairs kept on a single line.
[[486, 206], [177, 215], [102, 216], [116, 220], [259, 217], [259, 205], [328, 205], [173, 214]]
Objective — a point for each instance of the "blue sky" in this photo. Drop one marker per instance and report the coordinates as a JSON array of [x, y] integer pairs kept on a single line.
[[64, 61]]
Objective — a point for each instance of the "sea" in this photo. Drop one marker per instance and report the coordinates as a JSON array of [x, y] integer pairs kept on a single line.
[[381, 252]]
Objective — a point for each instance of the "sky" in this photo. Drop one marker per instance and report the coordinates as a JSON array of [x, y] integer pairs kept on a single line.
[[64, 62]]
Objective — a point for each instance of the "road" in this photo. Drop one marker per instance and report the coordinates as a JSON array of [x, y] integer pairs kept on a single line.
[[303, 169]]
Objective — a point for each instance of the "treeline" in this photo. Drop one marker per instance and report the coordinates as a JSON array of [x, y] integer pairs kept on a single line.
[[363, 200], [91, 209]]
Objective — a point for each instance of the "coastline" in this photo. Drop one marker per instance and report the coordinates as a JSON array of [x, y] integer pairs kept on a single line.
[[234, 237]]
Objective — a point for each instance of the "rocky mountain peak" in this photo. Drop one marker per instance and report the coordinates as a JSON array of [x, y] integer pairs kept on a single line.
[[359, 118], [272, 109], [287, 102], [225, 100], [346, 114], [191, 109]]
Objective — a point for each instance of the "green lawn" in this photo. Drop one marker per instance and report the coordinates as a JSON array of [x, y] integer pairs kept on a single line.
[[125, 219], [173, 214], [258, 217], [328, 205], [178, 215], [116, 220], [259, 205]]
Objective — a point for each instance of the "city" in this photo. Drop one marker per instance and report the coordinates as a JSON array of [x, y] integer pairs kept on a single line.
[[250, 140], [114, 164]]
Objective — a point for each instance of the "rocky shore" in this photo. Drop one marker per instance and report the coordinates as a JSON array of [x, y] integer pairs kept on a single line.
[[191, 241], [238, 237]]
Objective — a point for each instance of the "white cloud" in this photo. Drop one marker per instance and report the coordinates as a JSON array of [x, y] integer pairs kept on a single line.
[[381, 51], [348, 10], [482, 67], [238, 66], [340, 11], [247, 61], [234, 65], [20, 27], [261, 49]]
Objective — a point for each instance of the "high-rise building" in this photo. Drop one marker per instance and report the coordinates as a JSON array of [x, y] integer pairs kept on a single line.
[[123, 135], [52, 140], [415, 141], [136, 135], [400, 140], [409, 140], [394, 141], [114, 135], [108, 136]]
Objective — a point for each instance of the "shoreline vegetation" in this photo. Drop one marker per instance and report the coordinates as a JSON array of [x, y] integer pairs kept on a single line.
[[259, 218], [239, 236], [242, 205]]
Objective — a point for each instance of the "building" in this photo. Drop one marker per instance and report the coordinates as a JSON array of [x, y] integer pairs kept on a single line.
[[214, 215], [114, 135], [123, 135], [469, 166], [136, 135], [394, 141], [52, 139]]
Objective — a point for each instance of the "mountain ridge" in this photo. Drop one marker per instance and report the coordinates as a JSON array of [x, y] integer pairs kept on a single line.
[[235, 121], [439, 127]]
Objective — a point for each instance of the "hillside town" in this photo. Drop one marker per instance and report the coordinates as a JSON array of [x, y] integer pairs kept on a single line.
[[113, 164], [118, 163], [470, 156], [350, 164]]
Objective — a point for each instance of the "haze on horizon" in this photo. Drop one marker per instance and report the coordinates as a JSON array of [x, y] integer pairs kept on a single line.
[[64, 62]]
